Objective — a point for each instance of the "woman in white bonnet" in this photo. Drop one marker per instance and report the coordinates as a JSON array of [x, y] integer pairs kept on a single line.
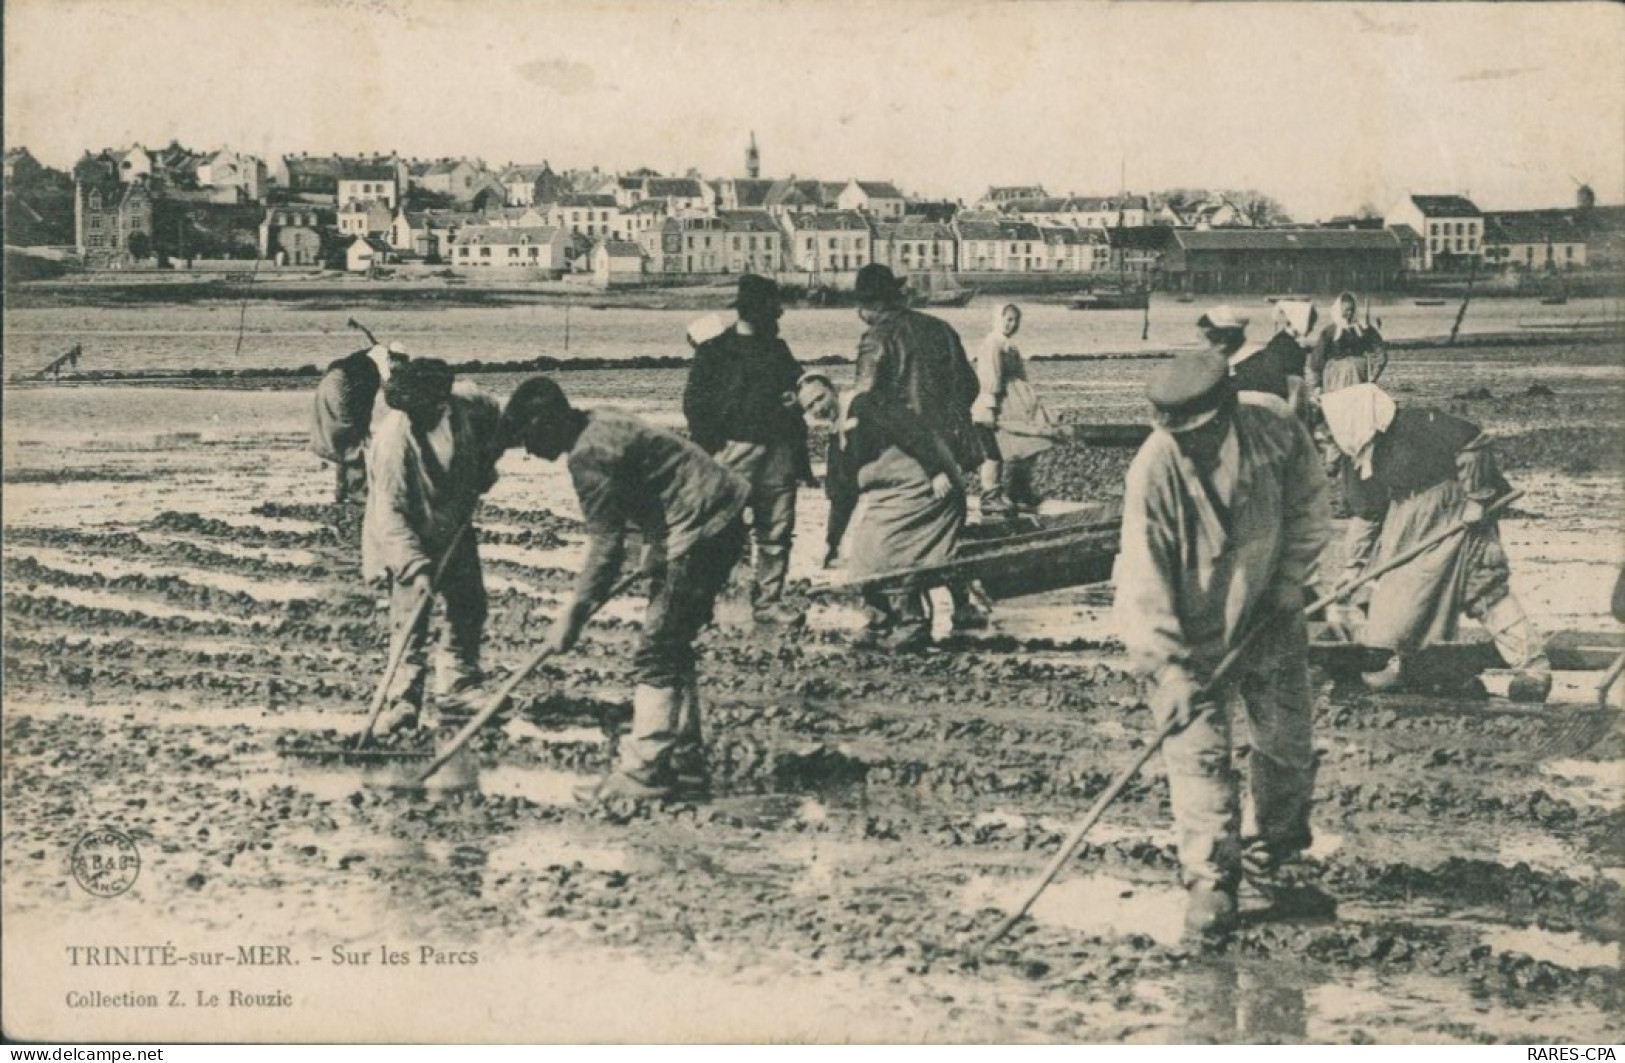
[[1348, 352]]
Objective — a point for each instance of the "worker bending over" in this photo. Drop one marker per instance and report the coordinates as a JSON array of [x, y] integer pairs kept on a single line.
[[1223, 514], [1409, 473], [630, 476], [433, 455]]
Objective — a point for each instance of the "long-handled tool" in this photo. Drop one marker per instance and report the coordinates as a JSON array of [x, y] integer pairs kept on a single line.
[[1609, 678], [365, 331], [494, 706], [1074, 841], [403, 636], [1095, 435]]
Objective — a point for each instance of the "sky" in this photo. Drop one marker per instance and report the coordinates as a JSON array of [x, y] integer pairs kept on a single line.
[[1325, 106]]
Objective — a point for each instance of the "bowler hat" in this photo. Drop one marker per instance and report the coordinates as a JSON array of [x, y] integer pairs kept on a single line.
[[877, 284], [1188, 391], [755, 291]]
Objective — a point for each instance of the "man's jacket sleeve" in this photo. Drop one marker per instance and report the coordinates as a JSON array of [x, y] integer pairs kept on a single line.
[[598, 490], [396, 542], [1146, 610], [705, 397]]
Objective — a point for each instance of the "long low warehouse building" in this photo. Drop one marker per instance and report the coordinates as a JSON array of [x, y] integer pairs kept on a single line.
[[1282, 260]]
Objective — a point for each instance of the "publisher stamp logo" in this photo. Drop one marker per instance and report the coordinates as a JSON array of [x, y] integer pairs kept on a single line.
[[105, 862]]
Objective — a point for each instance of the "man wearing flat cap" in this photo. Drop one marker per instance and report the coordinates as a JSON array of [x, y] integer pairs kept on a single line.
[[1224, 512], [631, 477], [433, 455], [741, 409]]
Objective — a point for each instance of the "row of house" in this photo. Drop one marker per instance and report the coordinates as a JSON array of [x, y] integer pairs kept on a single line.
[[1450, 232]]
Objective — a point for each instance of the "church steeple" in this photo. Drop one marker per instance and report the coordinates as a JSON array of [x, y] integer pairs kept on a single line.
[[753, 158]]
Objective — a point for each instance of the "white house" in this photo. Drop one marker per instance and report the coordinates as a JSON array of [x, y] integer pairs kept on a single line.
[[1534, 240], [366, 252], [754, 242], [519, 183], [837, 241], [368, 182], [682, 194], [989, 242], [909, 246], [1075, 250], [364, 217], [1452, 228], [616, 263], [879, 199], [1082, 212], [502, 247], [641, 217], [243, 175], [133, 163], [594, 217]]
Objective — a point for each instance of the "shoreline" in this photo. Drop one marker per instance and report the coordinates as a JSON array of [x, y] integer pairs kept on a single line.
[[273, 378], [331, 292]]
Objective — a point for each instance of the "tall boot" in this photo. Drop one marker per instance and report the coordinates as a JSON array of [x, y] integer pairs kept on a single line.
[[688, 765], [994, 504], [1018, 485], [645, 762], [772, 566], [1520, 646]]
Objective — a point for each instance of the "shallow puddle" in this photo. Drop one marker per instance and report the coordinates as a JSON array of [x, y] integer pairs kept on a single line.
[[1586, 782], [1563, 949], [1096, 904]]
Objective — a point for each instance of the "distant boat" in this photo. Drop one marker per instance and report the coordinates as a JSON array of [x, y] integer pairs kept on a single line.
[[1429, 302], [938, 289], [1113, 299], [1272, 299], [1185, 299], [1555, 300], [822, 295]]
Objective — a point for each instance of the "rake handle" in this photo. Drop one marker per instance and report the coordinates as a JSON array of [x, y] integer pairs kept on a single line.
[[1608, 679], [403, 636], [365, 331], [494, 706]]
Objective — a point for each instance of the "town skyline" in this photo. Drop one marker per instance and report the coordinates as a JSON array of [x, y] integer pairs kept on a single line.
[[1487, 101]]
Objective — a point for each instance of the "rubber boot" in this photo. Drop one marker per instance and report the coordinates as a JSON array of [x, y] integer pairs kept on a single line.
[[968, 614], [1210, 916], [1392, 678], [644, 769], [689, 771], [1018, 485], [772, 566], [994, 504], [1520, 647]]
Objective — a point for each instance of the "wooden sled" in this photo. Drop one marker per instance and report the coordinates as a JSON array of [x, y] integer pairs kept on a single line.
[[1025, 555]]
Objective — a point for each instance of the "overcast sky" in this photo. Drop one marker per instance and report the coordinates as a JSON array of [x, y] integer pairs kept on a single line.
[[1326, 106]]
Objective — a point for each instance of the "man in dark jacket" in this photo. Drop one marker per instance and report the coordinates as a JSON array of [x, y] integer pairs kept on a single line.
[[919, 361], [740, 406]]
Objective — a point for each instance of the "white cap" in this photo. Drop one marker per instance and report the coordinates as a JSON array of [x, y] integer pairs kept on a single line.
[[395, 347], [707, 328], [1222, 317]]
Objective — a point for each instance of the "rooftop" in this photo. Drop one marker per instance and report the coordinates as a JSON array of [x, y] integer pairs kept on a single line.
[[1284, 239], [1446, 206]]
